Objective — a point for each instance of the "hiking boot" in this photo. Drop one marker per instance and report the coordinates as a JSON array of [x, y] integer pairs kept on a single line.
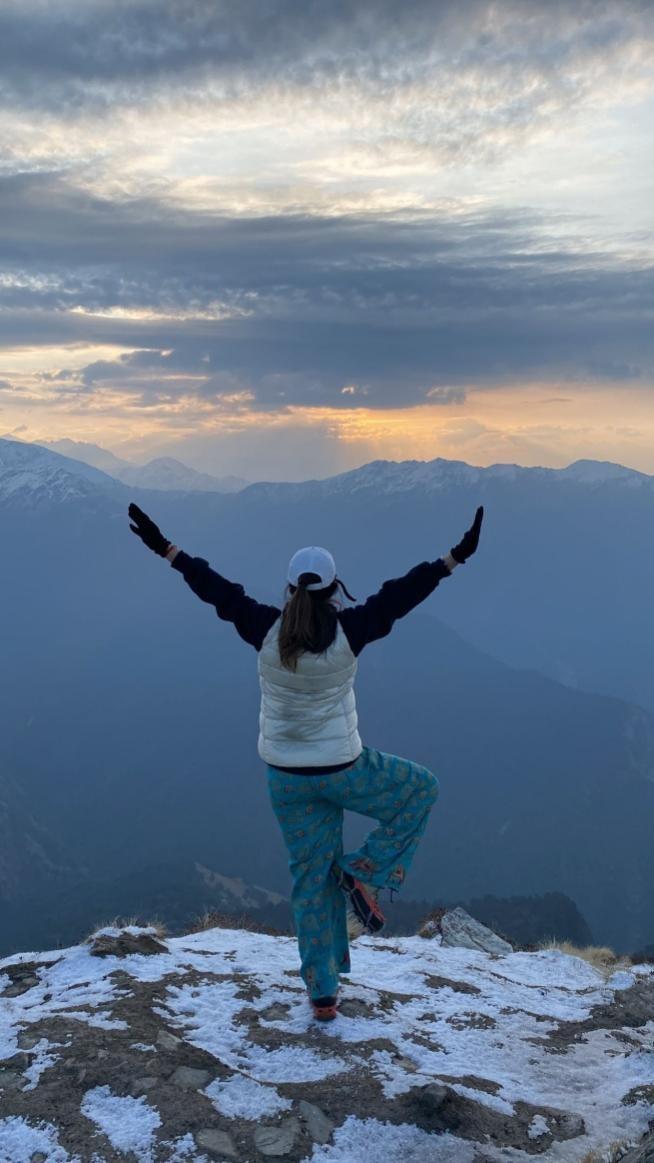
[[324, 1008], [362, 899]]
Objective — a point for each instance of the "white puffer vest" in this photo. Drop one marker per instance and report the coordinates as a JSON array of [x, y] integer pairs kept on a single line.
[[308, 716]]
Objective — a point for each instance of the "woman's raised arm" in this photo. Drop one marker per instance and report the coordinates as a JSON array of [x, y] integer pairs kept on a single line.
[[251, 619], [374, 619]]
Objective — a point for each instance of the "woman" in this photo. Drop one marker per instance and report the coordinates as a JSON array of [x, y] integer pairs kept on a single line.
[[308, 736]]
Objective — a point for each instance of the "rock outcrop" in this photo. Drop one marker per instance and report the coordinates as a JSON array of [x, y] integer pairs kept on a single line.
[[203, 1048], [459, 930]]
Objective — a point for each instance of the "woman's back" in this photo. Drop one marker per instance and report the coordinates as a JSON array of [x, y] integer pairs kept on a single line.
[[308, 711]]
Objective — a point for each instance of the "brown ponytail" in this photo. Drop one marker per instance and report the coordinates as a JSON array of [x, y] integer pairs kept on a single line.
[[308, 621]]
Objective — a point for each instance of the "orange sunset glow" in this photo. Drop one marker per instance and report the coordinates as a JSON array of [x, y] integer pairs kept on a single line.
[[435, 243]]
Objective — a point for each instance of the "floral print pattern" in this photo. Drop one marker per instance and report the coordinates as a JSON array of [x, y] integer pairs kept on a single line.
[[398, 794]]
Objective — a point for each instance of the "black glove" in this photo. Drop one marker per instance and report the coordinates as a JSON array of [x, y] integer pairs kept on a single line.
[[149, 533], [470, 540]]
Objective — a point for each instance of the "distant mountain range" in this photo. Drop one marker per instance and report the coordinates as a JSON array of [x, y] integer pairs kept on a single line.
[[128, 712], [163, 473], [389, 476]]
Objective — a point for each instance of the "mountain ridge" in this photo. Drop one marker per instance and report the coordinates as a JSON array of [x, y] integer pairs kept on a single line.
[[560, 588], [161, 473], [383, 476]]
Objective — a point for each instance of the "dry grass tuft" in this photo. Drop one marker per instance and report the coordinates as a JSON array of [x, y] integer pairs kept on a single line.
[[611, 1154], [601, 957], [430, 926], [158, 928], [216, 920]]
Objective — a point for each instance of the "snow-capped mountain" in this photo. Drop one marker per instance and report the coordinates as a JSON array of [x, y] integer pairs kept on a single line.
[[54, 472], [30, 474], [203, 1047], [388, 477], [164, 472], [33, 473]]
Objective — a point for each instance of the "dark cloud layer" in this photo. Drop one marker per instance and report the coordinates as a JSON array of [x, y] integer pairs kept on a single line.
[[375, 309], [77, 57], [71, 46], [387, 309]]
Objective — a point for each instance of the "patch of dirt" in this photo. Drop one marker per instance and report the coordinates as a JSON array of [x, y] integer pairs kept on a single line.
[[426, 1041], [380, 947], [22, 977], [528, 1013], [435, 982], [473, 1082], [639, 1094], [123, 944], [631, 1008], [439, 1108], [471, 1021]]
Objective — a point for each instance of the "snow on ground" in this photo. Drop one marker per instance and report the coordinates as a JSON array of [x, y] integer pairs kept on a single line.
[[242, 1097], [370, 1141], [196, 1009], [19, 1142], [68, 980], [129, 1123], [490, 1033], [476, 1022]]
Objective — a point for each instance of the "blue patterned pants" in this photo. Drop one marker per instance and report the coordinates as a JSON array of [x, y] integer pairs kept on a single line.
[[309, 808]]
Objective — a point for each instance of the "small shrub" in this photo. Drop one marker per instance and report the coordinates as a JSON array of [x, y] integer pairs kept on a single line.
[[216, 920], [599, 956], [157, 928], [611, 1154], [430, 926]]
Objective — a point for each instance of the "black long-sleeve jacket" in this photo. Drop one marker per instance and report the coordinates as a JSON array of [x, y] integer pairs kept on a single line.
[[361, 624]]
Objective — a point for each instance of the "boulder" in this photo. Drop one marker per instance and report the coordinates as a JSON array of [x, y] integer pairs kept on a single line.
[[458, 928], [218, 1144], [318, 1125], [190, 1078], [277, 1140], [168, 1041]]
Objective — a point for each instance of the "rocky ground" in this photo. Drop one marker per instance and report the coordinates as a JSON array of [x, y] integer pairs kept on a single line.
[[201, 1048]]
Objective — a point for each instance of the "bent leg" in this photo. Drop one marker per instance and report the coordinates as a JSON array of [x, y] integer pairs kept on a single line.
[[400, 795], [312, 830]]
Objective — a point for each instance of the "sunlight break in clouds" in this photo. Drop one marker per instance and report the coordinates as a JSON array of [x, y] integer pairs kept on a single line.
[[220, 232]]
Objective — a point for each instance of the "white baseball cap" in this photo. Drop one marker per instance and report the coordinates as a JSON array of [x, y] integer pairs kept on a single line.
[[312, 559]]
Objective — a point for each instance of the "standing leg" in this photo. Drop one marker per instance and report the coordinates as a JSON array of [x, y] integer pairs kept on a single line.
[[312, 829], [397, 793]]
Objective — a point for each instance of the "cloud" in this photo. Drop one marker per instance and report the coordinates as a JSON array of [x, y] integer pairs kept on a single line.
[[94, 43], [344, 206], [286, 311], [135, 93]]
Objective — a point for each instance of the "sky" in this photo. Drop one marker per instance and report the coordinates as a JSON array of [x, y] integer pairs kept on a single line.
[[280, 238]]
